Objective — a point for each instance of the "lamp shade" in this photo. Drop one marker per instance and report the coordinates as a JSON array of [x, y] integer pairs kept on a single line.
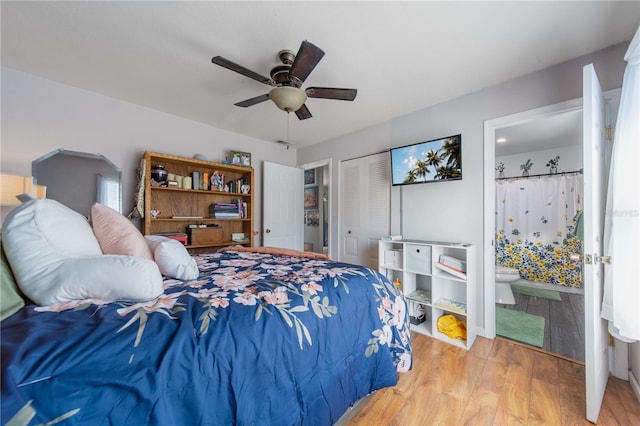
[[288, 98], [14, 185]]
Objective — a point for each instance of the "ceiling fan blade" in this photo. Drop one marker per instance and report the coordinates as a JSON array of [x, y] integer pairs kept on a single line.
[[253, 101], [303, 113], [219, 60], [306, 60], [332, 93]]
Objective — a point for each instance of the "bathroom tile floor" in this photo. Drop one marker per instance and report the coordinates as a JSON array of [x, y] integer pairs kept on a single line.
[[564, 322]]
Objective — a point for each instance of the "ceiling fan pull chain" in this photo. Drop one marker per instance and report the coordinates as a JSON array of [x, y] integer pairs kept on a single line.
[[288, 125]]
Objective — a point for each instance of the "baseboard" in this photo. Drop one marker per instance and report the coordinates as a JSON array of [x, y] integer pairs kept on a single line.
[[634, 385]]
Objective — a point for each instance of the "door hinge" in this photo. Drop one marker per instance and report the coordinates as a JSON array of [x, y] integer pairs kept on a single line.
[[602, 259], [596, 258], [608, 133]]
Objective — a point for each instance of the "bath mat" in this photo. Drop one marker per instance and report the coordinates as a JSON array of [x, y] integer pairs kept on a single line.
[[536, 292], [520, 326]]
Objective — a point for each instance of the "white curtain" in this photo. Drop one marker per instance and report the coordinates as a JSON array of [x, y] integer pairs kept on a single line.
[[621, 300], [535, 229]]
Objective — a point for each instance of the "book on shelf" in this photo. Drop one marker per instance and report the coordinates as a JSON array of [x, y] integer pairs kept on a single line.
[[422, 296], [392, 238], [451, 270], [453, 262], [205, 181], [234, 210], [196, 180], [451, 305]]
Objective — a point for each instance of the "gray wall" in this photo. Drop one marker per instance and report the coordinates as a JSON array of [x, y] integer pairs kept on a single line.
[[453, 211], [40, 116]]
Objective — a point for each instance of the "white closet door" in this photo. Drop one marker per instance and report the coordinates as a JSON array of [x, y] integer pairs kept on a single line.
[[365, 190]]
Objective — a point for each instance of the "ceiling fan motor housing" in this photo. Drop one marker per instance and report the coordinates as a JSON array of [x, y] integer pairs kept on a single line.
[[280, 75]]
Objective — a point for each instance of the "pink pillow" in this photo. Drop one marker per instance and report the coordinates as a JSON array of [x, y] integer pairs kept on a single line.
[[116, 234]]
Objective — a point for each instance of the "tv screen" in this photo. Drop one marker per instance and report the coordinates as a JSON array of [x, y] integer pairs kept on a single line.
[[429, 161]]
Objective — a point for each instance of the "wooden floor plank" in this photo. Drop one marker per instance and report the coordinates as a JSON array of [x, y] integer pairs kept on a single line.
[[545, 367], [481, 409], [544, 404], [496, 383]]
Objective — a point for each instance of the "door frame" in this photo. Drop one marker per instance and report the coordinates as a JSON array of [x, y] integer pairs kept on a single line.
[[490, 127], [489, 161], [328, 162]]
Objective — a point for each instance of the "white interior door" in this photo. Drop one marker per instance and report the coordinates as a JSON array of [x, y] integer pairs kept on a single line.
[[282, 206], [594, 160], [365, 197]]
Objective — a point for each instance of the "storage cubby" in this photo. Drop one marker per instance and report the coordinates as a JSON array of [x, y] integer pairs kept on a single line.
[[436, 276]]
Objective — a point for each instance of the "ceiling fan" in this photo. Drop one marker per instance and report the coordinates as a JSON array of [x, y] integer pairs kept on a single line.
[[287, 79]]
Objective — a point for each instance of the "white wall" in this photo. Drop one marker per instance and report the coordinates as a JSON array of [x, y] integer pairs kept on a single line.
[[570, 160], [453, 211], [39, 116]]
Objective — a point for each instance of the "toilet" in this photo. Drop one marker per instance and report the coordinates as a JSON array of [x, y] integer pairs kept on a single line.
[[504, 277]]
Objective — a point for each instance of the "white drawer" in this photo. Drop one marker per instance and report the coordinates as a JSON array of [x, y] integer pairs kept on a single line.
[[418, 258], [393, 258]]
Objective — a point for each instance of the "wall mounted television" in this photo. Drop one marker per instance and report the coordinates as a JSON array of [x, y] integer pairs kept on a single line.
[[430, 161]]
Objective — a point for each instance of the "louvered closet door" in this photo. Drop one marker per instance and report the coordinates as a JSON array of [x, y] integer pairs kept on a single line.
[[365, 194]]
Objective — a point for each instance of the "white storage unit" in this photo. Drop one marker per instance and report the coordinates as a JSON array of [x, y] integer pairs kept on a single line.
[[437, 278]]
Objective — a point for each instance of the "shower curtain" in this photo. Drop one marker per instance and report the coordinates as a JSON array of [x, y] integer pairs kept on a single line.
[[535, 227]]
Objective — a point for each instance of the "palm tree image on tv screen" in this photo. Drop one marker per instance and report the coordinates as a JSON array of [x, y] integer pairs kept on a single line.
[[430, 161]]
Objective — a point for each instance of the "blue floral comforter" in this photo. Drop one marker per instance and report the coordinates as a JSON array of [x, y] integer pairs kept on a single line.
[[257, 339]]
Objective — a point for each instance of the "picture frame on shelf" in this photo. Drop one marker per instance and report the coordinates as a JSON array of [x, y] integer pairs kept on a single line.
[[239, 158], [311, 197], [310, 177]]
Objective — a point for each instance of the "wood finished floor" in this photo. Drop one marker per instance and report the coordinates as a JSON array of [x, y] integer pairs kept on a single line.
[[497, 382], [563, 325]]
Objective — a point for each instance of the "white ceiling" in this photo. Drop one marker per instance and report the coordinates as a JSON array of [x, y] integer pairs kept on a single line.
[[401, 56]]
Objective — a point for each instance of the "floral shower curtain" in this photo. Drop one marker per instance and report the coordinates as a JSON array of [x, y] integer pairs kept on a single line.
[[535, 227]]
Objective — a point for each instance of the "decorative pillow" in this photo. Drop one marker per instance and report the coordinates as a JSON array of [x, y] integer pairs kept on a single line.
[[116, 234], [172, 258], [55, 257], [10, 298]]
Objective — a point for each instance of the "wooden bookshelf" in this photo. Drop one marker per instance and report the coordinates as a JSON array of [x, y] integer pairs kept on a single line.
[[181, 207]]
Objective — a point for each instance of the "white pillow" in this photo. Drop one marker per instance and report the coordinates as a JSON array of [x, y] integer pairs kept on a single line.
[[172, 258], [55, 257], [116, 234]]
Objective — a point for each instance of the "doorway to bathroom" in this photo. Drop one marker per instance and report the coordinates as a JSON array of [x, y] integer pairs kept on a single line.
[[539, 193], [521, 150], [536, 185]]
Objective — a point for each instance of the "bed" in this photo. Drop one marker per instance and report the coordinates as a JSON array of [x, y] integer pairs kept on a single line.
[[260, 337]]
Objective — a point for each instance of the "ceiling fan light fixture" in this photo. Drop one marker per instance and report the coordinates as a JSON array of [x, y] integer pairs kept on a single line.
[[288, 98]]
